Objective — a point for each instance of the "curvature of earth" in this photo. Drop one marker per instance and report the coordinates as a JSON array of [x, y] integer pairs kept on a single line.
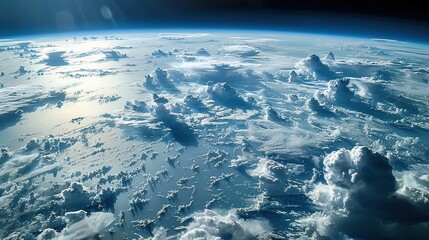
[[230, 134]]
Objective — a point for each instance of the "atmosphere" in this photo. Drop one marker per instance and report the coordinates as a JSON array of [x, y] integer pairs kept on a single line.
[[396, 19]]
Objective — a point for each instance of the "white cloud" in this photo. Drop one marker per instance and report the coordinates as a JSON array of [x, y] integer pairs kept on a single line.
[[296, 77], [314, 106], [314, 68], [76, 196], [14, 165], [273, 138], [337, 92], [214, 225], [87, 227], [241, 50], [74, 217], [159, 53], [273, 115], [181, 36], [361, 189], [159, 79], [47, 234], [202, 52], [276, 178], [114, 55], [227, 95], [182, 132]]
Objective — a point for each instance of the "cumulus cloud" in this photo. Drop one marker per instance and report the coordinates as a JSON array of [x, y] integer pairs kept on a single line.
[[194, 103], [415, 184], [159, 79], [276, 178], [202, 52], [47, 234], [231, 72], [114, 55], [159, 53], [76, 196], [296, 77], [227, 95], [74, 217], [214, 225], [337, 92], [136, 105], [314, 68], [330, 56], [383, 74], [273, 115], [181, 132], [314, 106], [360, 190]]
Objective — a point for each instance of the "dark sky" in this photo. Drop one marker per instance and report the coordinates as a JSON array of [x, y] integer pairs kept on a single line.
[[375, 18]]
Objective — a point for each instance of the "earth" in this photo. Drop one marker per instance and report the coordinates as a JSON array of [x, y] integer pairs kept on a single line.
[[213, 134]]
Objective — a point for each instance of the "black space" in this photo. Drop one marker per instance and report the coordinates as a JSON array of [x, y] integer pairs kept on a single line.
[[371, 18]]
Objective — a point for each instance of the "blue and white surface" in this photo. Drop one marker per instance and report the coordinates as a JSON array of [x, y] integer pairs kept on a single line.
[[213, 135]]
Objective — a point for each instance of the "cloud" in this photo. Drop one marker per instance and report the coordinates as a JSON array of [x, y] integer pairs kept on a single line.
[[314, 68], [272, 138], [18, 99], [74, 217], [194, 103], [136, 105], [159, 53], [330, 56], [47, 234], [227, 96], [202, 52], [88, 227], [160, 79], [276, 178], [415, 184], [114, 55], [208, 70], [383, 74], [181, 132], [337, 92], [214, 225], [14, 166], [273, 115], [295, 77], [361, 190], [76, 196], [241, 50], [181, 36], [314, 106]]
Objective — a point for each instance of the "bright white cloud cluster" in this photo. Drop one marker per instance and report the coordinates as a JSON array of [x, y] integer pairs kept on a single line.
[[313, 68], [337, 92], [360, 188], [276, 178], [86, 227], [213, 225]]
